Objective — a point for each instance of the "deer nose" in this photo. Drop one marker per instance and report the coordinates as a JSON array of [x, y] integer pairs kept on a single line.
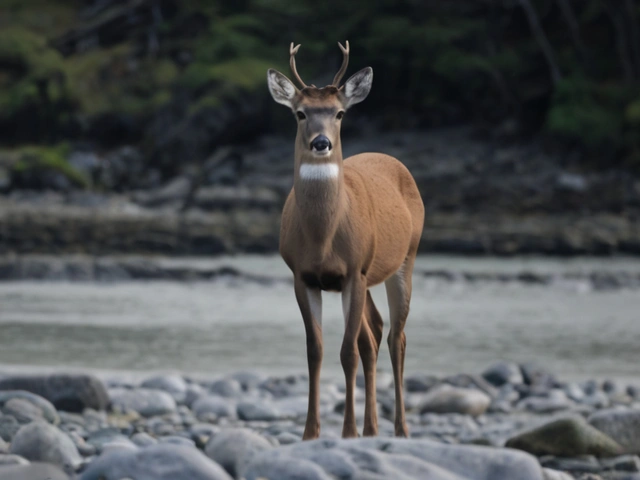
[[321, 144]]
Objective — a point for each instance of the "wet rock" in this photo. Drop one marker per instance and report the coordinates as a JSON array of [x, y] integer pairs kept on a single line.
[[503, 372], [174, 385], [448, 399], [9, 426], [40, 407], [257, 410], [146, 402], [214, 405], [164, 461], [234, 448], [42, 442], [11, 459], [567, 437], [623, 425], [34, 471], [72, 393]]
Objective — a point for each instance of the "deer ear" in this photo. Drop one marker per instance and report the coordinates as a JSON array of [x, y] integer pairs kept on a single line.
[[358, 86], [282, 89]]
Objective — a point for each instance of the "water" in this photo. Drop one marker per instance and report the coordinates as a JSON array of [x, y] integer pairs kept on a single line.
[[230, 324]]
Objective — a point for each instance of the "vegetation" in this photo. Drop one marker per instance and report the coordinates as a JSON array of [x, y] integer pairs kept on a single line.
[[566, 70]]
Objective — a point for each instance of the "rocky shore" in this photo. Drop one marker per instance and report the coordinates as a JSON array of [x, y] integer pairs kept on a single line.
[[511, 422], [480, 198]]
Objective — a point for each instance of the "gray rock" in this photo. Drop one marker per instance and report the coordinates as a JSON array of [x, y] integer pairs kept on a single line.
[[550, 474], [177, 440], [227, 387], [44, 407], [267, 467], [9, 426], [248, 380], [566, 437], [582, 464], [214, 404], [624, 463], [623, 425], [142, 439], [22, 410], [42, 442], [194, 391], [287, 438], [555, 401], [234, 448], [11, 459], [4, 448], [503, 372], [34, 471], [72, 393], [103, 436], [448, 399], [420, 383], [155, 462], [146, 402], [174, 385], [257, 410]]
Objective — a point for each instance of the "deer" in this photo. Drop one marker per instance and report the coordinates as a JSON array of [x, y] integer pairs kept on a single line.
[[347, 225]]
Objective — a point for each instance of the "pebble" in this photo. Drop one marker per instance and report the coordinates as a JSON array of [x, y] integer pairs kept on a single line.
[[234, 448], [623, 425], [144, 401], [33, 471], [502, 373], [447, 399], [36, 405], [174, 385], [214, 405], [256, 410]]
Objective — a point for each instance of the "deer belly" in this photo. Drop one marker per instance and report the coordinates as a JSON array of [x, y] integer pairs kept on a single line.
[[325, 280]]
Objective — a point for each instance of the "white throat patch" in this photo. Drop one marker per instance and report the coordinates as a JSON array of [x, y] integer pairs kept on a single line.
[[319, 171]]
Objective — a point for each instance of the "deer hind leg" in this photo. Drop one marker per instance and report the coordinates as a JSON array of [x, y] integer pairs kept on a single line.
[[398, 288], [369, 344], [310, 303]]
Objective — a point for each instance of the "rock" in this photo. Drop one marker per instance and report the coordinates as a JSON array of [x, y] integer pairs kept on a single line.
[[9, 426], [549, 474], [103, 436], [448, 399], [177, 440], [163, 461], [234, 448], [503, 372], [536, 375], [214, 404], [22, 410], [248, 380], [142, 439], [227, 387], [146, 402], [567, 437], [624, 463], [174, 385], [419, 383], [582, 464], [267, 467], [176, 190], [44, 409], [623, 425], [11, 459], [257, 410], [555, 401], [4, 448], [41, 442], [34, 471], [72, 393]]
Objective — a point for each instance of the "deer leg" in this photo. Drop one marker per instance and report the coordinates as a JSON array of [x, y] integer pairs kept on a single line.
[[353, 299], [310, 303], [369, 344], [398, 288]]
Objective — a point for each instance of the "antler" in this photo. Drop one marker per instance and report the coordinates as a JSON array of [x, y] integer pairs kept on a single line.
[[343, 68], [292, 63]]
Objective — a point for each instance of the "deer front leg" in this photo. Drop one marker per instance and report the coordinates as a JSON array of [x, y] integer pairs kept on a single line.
[[353, 298], [310, 303]]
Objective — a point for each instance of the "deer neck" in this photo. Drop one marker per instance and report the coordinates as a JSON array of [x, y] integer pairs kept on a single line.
[[320, 193]]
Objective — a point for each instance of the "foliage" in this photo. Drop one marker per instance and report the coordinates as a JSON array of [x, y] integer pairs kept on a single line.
[[35, 160]]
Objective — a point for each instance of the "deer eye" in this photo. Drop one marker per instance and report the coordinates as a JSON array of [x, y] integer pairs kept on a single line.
[[340, 115], [301, 116]]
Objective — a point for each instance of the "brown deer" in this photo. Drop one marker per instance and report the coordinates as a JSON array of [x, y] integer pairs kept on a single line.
[[346, 226]]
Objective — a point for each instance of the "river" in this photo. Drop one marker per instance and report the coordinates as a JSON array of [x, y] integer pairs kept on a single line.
[[232, 323]]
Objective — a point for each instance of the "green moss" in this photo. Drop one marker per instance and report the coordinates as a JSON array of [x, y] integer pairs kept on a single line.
[[632, 113], [37, 158]]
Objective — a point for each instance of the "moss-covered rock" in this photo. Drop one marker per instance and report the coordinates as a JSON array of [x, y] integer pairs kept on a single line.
[[39, 167]]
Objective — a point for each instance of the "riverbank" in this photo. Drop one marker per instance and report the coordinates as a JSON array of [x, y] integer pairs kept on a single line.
[[500, 425], [480, 198]]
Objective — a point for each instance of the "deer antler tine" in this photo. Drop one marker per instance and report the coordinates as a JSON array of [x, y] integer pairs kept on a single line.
[[345, 62], [292, 63]]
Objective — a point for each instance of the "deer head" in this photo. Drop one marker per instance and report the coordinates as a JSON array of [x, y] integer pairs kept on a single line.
[[319, 111]]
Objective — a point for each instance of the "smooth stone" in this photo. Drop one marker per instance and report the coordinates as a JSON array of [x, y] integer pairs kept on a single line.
[[12, 459], [556, 401], [623, 463], [142, 439], [146, 402], [266, 467], [163, 461], [42, 442], [287, 438], [4, 447], [233, 448], [566, 437], [22, 410], [257, 410], [503, 372], [177, 440], [9, 426], [33, 471], [448, 399], [623, 425], [47, 410], [227, 387], [68, 392], [420, 383], [99, 438], [248, 380], [550, 474], [193, 392], [174, 385], [582, 464], [216, 405], [536, 375]]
